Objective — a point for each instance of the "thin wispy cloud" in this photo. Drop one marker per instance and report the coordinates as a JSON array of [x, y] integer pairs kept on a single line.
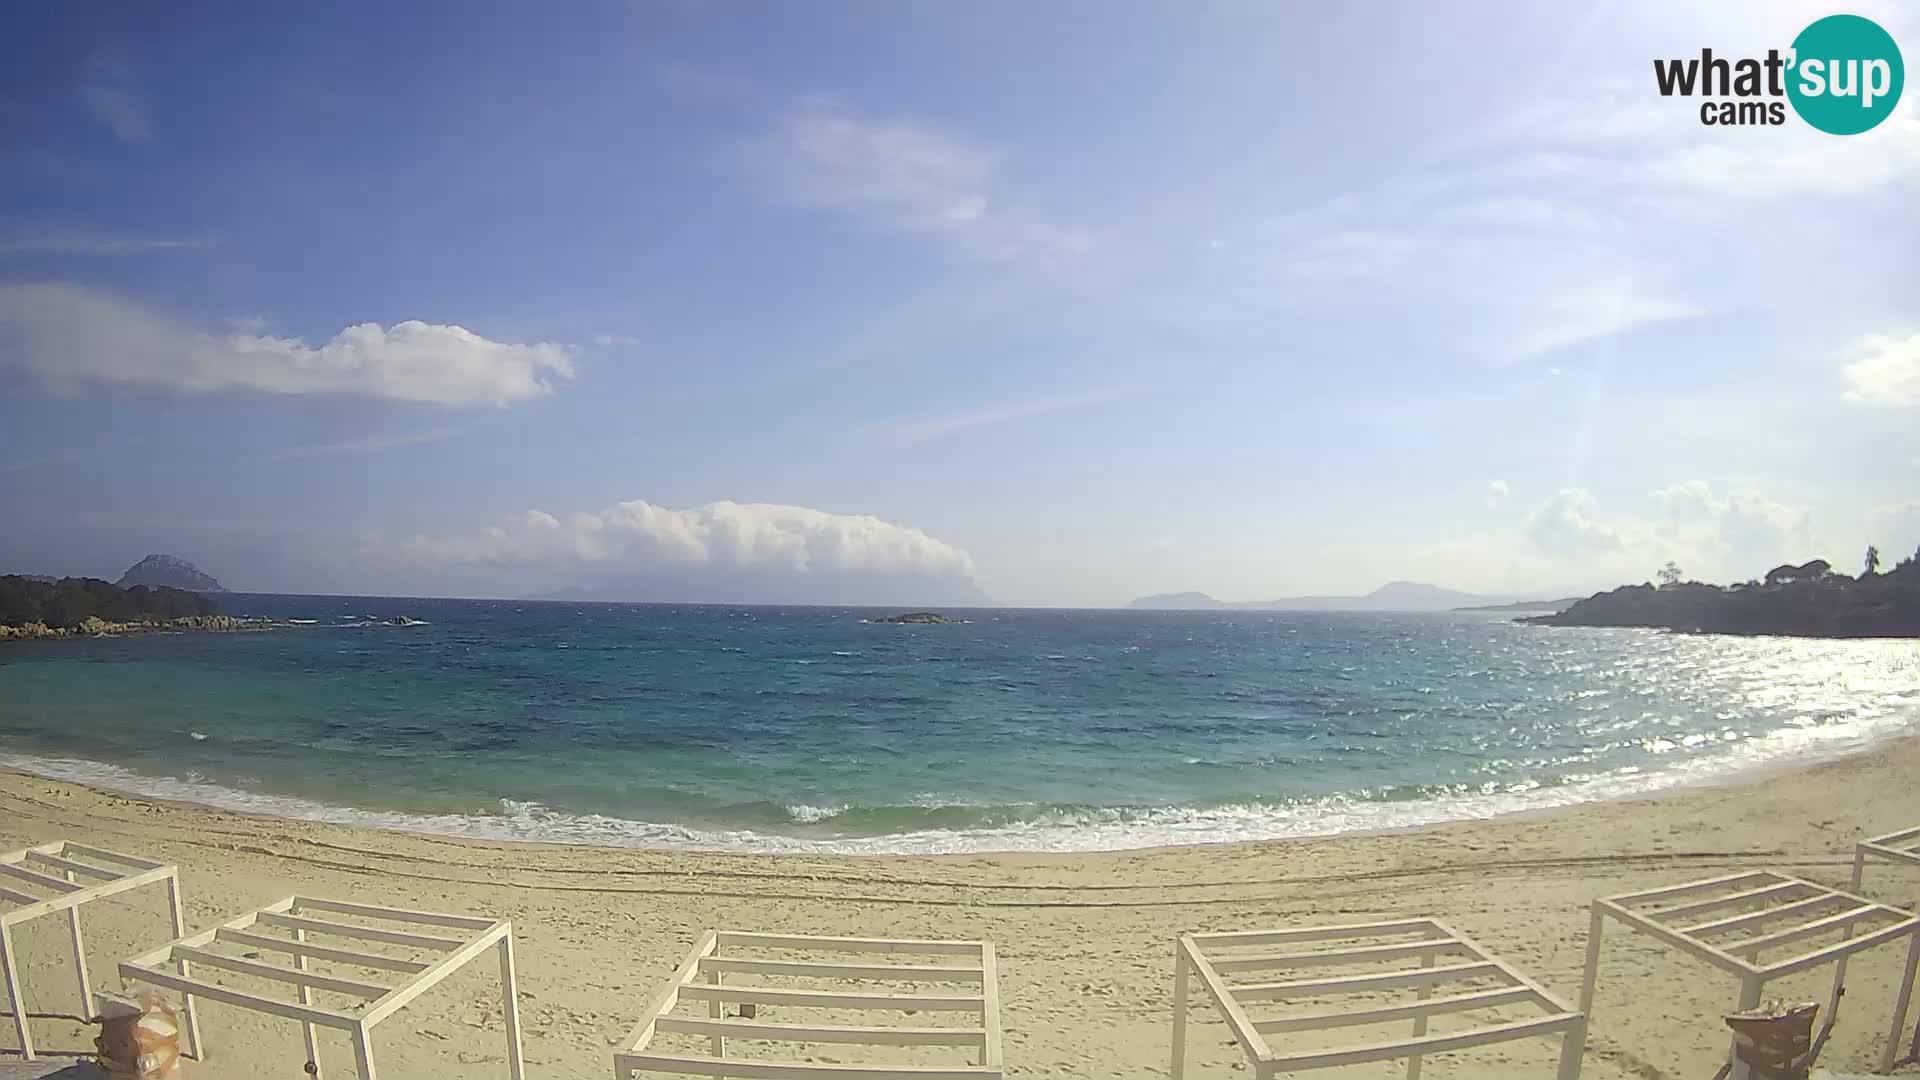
[[902, 177], [938, 427], [73, 238], [369, 444]]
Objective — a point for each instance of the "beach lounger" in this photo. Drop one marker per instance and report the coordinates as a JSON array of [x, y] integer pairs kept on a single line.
[[373, 961], [960, 1021], [65, 876], [1449, 974], [1734, 922]]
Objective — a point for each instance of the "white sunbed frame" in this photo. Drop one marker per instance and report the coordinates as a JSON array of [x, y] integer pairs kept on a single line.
[[1894, 847], [1688, 924], [978, 967], [1434, 939], [475, 936], [75, 875]]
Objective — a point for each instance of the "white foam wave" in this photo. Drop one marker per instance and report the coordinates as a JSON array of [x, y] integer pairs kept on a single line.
[[1111, 829]]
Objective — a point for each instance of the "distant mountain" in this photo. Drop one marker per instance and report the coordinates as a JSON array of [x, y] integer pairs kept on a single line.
[[1393, 596], [171, 571], [1176, 601]]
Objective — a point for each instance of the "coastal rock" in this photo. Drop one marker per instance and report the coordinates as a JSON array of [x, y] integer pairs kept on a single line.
[[170, 571], [916, 618], [1800, 601]]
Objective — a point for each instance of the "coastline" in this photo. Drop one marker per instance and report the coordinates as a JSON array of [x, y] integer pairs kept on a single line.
[[1084, 938]]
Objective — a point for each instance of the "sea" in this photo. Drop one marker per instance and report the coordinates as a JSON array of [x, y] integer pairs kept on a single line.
[[818, 730]]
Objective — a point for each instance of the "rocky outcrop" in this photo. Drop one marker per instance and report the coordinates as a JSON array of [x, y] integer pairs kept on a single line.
[[1804, 601], [169, 571], [95, 626], [917, 618]]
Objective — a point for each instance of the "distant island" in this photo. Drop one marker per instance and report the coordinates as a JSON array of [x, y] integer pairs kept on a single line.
[[1809, 600], [1393, 596], [916, 618], [168, 571]]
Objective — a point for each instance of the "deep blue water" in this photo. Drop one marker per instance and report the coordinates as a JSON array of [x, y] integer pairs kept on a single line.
[[801, 728]]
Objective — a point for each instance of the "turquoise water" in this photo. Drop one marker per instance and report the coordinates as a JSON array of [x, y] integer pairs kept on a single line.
[[810, 729]]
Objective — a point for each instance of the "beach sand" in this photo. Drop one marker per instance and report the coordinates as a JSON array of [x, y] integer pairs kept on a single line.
[[1085, 940]]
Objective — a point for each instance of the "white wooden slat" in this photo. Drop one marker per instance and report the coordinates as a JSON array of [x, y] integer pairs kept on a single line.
[[847, 944], [336, 983], [1692, 887], [813, 969], [1481, 999], [436, 972], [1670, 915], [318, 952], [1355, 984], [57, 862], [367, 933], [829, 999], [1428, 1044], [38, 878], [1311, 933], [781, 1070], [822, 1033], [18, 897], [104, 855], [1742, 922], [1753, 945], [1843, 948], [1244, 1032], [312, 1014], [1360, 954], [669, 996], [373, 911], [990, 1007]]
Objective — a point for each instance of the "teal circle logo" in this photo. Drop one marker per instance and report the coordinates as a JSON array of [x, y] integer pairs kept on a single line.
[[1846, 75]]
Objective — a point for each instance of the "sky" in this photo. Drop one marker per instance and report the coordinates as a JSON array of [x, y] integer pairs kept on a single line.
[[1051, 304]]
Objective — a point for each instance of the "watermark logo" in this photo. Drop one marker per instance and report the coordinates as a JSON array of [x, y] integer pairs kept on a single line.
[[1843, 75]]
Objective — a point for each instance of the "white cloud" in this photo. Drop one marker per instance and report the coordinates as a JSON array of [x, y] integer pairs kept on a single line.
[[1567, 525], [1740, 535], [68, 335], [118, 111], [1888, 373], [913, 431], [900, 177], [606, 340], [779, 553], [1497, 491], [72, 238]]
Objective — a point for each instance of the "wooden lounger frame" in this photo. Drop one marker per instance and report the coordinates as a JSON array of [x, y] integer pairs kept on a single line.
[[976, 971], [1686, 916], [1443, 953], [65, 876], [1896, 847], [452, 941]]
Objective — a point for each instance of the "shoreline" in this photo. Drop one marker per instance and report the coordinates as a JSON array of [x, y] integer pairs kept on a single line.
[[1084, 937], [1320, 818]]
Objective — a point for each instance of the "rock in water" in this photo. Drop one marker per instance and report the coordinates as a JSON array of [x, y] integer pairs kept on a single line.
[[171, 570], [922, 617]]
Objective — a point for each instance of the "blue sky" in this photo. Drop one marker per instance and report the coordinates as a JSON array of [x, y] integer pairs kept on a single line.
[[1074, 301]]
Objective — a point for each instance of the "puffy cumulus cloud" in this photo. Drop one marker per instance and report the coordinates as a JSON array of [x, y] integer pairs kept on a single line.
[[1888, 372], [722, 551], [1714, 536], [1568, 525], [1742, 533], [68, 335], [1497, 491]]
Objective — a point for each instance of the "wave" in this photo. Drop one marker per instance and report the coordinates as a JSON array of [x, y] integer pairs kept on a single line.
[[941, 825]]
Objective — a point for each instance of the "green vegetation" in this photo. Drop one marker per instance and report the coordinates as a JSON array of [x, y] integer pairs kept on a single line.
[[1811, 600], [69, 602]]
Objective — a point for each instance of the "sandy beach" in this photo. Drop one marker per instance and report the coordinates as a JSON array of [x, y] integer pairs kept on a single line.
[[1084, 940]]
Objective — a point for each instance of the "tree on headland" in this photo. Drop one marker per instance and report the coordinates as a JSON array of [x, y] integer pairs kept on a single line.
[[1670, 574], [1873, 560], [67, 603]]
